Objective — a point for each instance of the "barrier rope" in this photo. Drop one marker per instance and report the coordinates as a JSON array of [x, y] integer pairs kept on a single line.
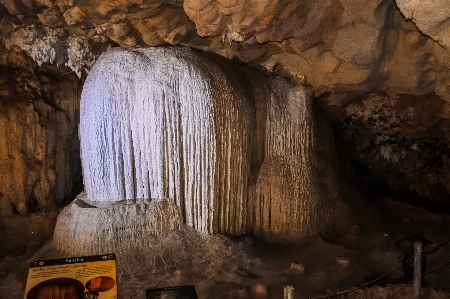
[[447, 263], [442, 244], [364, 285], [383, 276], [398, 291], [429, 272]]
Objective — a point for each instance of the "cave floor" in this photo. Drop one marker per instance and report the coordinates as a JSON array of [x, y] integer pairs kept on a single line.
[[250, 267]]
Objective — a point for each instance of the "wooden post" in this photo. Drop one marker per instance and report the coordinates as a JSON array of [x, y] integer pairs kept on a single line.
[[417, 269], [288, 292]]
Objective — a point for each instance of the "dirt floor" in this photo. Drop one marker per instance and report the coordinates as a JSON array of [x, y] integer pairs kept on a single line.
[[319, 266]]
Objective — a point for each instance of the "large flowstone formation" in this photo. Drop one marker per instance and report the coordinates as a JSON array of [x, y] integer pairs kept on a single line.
[[165, 123], [236, 151]]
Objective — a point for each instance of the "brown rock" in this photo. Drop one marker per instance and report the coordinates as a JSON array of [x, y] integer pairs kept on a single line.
[[432, 18], [38, 139]]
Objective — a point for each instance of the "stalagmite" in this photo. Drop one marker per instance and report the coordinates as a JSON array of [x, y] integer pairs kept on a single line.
[[167, 123], [288, 200]]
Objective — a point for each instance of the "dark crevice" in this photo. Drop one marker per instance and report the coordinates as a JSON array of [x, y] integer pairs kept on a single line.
[[78, 187], [409, 197]]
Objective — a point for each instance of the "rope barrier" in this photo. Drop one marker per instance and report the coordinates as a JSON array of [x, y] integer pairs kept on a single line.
[[398, 291], [429, 272], [383, 276], [364, 285], [447, 263], [442, 244]]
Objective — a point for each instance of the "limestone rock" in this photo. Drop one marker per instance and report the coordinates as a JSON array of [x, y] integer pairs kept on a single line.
[[87, 228], [296, 269], [172, 123], [168, 122], [341, 48], [56, 46], [287, 195], [432, 18], [334, 45], [405, 134], [39, 147], [259, 291], [343, 261]]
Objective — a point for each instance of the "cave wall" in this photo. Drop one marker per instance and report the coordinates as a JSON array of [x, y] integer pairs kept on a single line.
[[352, 54], [39, 146], [406, 136]]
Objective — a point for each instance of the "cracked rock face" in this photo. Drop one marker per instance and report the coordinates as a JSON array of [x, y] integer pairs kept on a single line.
[[337, 46], [432, 18]]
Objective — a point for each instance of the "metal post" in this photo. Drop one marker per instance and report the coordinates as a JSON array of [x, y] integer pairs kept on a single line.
[[417, 268], [288, 292]]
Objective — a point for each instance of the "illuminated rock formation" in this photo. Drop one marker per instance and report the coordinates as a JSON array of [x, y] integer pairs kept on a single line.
[[342, 49], [167, 123], [84, 228], [39, 146], [287, 192], [171, 123]]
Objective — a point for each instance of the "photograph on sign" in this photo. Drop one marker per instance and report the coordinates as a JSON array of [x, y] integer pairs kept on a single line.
[[86, 277]]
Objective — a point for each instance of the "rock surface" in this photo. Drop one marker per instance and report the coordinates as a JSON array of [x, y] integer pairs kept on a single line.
[[406, 135], [169, 122], [222, 267], [380, 70], [39, 146], [175, 123], [89, 228], [341, 48], [431, 18], [337, 46]]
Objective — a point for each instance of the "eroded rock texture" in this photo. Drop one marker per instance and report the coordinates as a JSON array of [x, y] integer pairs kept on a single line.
[[338, 46], [288, 198], [39, 147], [432, 18], [84, 228]]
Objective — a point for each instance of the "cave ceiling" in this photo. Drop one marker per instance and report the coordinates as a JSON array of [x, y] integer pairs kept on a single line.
[[381, 68]]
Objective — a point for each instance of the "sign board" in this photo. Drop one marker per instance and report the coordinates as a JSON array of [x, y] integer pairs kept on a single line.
[[86, 277]]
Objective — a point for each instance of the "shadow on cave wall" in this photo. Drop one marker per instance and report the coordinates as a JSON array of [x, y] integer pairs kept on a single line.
[[394, 146]]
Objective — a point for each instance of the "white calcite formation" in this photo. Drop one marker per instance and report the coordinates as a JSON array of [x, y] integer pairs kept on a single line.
[[88, 228], [167, 123], [174, 123]]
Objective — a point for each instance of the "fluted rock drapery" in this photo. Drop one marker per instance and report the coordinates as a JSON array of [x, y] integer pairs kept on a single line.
[[163, 123], [234, 150]]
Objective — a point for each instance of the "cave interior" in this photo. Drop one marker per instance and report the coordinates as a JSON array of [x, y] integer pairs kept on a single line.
[[240, 147]]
